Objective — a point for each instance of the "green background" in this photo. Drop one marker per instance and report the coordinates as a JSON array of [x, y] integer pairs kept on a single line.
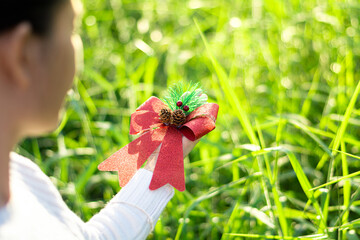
[[286, 77]]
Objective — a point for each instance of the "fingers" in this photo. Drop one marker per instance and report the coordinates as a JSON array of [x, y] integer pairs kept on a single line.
[[188, 145]]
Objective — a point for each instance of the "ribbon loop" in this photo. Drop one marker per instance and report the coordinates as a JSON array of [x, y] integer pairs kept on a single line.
[[144, 120], [200, 122]]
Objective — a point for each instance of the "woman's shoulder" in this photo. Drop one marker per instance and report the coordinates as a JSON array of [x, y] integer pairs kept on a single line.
[[18, 161], [29, 174], [35, 206]]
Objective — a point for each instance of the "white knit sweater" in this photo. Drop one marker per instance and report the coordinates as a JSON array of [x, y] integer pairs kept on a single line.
[[37, 211]]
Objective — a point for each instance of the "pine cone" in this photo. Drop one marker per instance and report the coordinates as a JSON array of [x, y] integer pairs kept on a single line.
[[165, 115], [178, 117]]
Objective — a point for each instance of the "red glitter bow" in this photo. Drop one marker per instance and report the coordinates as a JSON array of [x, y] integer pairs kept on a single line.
[[169, 166]]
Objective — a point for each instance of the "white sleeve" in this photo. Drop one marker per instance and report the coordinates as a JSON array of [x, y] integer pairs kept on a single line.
[[133, 212]]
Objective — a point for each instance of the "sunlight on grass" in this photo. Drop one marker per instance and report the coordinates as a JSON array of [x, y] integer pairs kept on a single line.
[[283, 162]]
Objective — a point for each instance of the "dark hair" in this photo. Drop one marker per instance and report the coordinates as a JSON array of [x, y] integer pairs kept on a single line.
[[39, 13]]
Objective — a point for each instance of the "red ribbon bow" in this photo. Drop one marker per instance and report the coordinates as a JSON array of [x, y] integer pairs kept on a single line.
[[169, 166]]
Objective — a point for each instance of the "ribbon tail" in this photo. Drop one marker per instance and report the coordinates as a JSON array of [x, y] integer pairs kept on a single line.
[[170, 163], [131, 157]]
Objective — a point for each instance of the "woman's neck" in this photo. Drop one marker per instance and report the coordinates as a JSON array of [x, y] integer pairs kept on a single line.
[[8, 139]]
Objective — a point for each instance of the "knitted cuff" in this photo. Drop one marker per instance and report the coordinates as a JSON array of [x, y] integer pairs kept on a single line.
[[137, 193]]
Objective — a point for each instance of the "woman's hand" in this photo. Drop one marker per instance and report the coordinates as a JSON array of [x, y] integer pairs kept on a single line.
[[187, 147]]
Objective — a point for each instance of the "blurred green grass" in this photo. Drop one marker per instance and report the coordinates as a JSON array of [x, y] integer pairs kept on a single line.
[[286, 77]]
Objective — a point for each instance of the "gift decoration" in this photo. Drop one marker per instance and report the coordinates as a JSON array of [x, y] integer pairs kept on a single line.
[[184, 111]]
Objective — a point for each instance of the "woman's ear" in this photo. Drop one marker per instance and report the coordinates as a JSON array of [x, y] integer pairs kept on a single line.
[[14, 53]]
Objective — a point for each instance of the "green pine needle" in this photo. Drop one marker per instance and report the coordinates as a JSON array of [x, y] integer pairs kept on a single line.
[[190, 94]]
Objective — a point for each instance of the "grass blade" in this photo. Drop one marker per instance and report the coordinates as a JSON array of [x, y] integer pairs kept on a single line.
[[229, 92], [354, 174]]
